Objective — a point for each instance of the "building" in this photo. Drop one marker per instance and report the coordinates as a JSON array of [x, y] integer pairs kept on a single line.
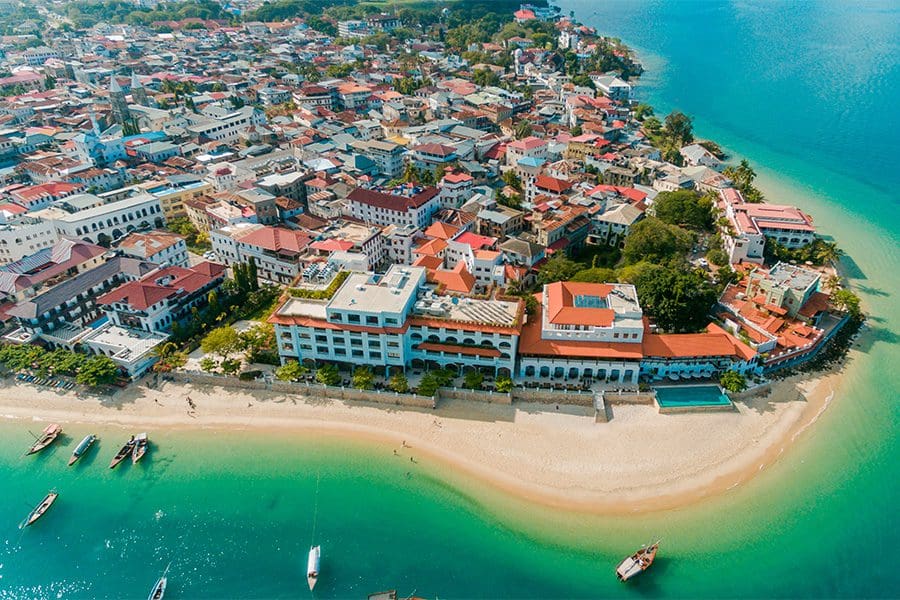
[[162, 297], [158, 247], [455, 189], [396, 321], [24, 235], [784, 286], [103, 223], [403, 205], [275, 250], [612, 226], [531, 147], [62, 315], [387, 156], [174, 191], [47, 267], [584, 331]]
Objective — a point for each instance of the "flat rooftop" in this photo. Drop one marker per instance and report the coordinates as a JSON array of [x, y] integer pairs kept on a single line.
[[372, 293], [793, 276], [467, 310], [126, 344]]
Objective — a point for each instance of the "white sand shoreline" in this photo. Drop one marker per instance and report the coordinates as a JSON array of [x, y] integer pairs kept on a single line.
[[639, 461]]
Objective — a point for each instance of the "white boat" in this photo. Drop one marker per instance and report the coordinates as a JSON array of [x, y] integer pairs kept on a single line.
[[140, 447], [159, 590], [312, 566], [637, 563], [82, 447]]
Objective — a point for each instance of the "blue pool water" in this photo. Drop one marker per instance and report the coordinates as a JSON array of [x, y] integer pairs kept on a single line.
[[691, 395]]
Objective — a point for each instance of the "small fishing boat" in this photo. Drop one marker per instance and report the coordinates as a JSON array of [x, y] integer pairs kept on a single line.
[[47, 437], [312, 566], [82, 447], [40, 509], [159, 590], [637, 563], [140, 448], [123, 453]]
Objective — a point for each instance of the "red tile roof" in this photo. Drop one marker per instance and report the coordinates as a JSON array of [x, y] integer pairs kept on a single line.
[[393, 202]]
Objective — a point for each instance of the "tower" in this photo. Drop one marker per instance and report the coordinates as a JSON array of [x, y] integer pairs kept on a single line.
[[117, 101], [138, 93]]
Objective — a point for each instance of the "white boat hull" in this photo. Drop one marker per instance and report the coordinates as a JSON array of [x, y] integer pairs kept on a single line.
[[312, 566]]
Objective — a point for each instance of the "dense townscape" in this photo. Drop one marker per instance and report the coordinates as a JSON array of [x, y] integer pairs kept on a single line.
[[402, 195]]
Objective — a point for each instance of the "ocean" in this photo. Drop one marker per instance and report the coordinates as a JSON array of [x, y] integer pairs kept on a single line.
[[808, 93]]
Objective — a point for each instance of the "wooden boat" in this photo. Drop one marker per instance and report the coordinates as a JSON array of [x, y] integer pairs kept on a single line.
[[82, 447], [159, 590], [637, 563], [123, 453], [140, 448], [312, 566], [47, 437], [40, 509]]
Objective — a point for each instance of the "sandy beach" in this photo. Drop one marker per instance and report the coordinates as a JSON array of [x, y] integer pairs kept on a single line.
[[639, 461]]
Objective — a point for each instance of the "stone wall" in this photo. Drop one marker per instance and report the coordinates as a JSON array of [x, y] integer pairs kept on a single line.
[[475, 395], [312, 390], [612, 398], [540, 396]]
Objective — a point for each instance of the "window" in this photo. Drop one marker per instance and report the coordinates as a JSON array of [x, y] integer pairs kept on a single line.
[[370, 320], [353, 318]]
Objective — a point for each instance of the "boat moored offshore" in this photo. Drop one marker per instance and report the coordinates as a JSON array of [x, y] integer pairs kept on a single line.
[[637, 563], [140, 447], [159, 590], [312, 566], [82, 447], [47, 437], [123, 453], [40, 509]]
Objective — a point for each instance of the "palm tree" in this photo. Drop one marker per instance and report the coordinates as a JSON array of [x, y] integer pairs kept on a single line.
[[833, 283], [828, 252]]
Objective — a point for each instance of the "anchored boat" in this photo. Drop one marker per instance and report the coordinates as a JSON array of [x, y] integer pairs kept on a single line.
[[47, 437], [123, 453], [82, 447], [40, 509], [312, 566], [140, 448], [159, 590], [637, 563]]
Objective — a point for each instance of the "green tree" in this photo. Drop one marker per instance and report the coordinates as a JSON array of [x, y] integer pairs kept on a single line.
[[223, 341], [230, 366], [398, 382], [558, 268], [642, 111], [523, 129], [733, 381], [717, 257], [429, 384], [828, 253], [595, 275], [686, 208], [290, 371], [258, 340], [504, 384], [512, 180], [328, 375], [678, 300], [655, 241], [97, 370], [679, 129], [208, 364], [473, 379], [363, 378], [847, 301]]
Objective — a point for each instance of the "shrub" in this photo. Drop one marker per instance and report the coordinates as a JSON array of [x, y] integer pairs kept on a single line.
[[249, 375]]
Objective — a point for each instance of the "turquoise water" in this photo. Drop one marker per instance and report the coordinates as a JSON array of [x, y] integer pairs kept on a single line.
[[694, 395], [809, 93]]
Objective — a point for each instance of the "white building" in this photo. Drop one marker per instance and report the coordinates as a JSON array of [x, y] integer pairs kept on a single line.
[[275, 250], [397, 321], [24, 235], [103, 222], [158, 247], [402, 206]]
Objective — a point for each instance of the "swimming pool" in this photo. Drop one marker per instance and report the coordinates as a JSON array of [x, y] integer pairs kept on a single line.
[[672, 396]]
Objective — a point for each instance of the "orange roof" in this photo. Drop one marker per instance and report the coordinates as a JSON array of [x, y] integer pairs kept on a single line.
[[458, 279], [715, 342], [441, 230], [561, 309], [531, 343], [429, 262], [431, 247]]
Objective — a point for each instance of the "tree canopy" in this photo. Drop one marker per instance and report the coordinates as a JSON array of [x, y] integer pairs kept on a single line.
[[678, 300], [686, 208], [655, 241], [223, 341]]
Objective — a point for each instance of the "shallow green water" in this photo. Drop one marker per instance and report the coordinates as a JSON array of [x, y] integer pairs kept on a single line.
[[234, 513]]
